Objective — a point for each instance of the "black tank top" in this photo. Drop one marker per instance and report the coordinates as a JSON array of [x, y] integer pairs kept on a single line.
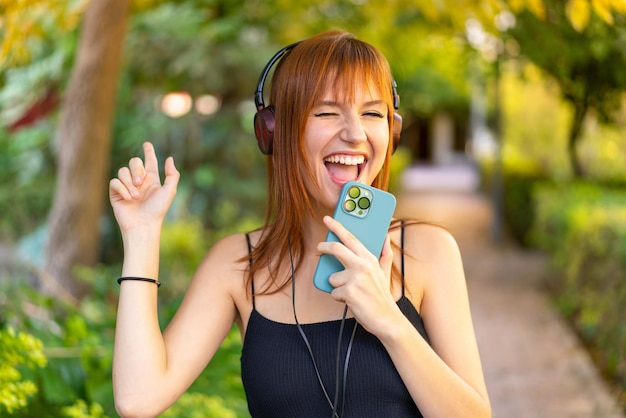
[[280, 380]]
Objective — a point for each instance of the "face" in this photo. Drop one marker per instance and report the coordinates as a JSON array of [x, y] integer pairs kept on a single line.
[[346, 140]]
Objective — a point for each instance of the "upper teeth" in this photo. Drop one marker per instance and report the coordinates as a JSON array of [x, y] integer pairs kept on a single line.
[[345, 159]]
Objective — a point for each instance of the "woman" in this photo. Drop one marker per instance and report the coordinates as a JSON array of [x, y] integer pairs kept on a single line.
[[394, 337]]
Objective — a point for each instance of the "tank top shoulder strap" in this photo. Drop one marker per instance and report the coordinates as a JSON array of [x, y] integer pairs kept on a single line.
[[250, 264], [402, 253]]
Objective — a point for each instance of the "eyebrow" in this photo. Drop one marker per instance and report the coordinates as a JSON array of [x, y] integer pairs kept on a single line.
[[335, 103]]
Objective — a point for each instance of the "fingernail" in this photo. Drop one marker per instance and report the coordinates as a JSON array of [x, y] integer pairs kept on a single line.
[[137, 180], [134, 193]]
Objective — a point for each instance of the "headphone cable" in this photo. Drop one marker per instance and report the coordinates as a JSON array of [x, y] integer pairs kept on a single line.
[[306, 340], [337, 361], [333, 405], [345, 364], [345, 367]]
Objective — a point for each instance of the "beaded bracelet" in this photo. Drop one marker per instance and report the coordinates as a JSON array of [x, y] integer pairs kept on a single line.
[[139, 279]]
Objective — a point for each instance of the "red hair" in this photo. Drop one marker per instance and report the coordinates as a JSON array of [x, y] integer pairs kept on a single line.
[[334, 58]]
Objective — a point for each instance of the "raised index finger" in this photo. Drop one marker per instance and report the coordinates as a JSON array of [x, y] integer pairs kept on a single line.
[[152, 165]]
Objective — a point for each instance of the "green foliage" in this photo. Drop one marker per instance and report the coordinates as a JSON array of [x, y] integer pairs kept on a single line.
[[77, 339], [400, 161], [556, 203], [584, 227], [199, 47], [537, 134], [590, 75], [519, 211], [222, 377], [433, 74], [601, 154], [197, 405], [76, 379], [82, 410], [26, 169], [518, 178], [27, 27], [183, 244], [18, 350]]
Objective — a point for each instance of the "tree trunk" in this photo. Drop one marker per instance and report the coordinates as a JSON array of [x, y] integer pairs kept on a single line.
[[84, 143], [574, 135]]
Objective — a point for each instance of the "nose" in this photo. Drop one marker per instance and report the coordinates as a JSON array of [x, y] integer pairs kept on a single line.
[[353, 130]]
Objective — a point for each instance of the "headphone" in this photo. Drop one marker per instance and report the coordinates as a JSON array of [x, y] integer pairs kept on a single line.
[[264, 120]]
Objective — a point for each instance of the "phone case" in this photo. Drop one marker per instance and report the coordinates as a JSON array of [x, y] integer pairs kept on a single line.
[[368, 222]]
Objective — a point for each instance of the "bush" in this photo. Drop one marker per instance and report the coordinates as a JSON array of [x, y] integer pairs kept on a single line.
[[27, 173], [78, 340], [77, 345], [18, 350], [81, 410], [519, 178], [400, 161], [583, 226], [519, 208], [197, 405]]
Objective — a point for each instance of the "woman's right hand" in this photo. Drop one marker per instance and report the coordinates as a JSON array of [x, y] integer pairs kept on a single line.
[[137, 196]]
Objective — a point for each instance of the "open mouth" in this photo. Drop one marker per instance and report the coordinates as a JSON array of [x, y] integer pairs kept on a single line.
[[343, 167]]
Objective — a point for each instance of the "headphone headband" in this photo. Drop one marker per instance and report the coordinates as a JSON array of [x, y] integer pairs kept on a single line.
[[258, 97]]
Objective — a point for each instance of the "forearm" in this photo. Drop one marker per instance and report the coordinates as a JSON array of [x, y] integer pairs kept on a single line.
[[139, 361], [437, 389]]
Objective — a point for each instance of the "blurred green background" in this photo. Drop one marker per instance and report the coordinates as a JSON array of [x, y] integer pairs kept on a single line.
[[533, 90]]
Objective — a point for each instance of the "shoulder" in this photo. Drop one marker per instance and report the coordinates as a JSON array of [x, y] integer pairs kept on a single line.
[[429, 242], [225, 261], [432, 262], [228, 251], [220, 277]]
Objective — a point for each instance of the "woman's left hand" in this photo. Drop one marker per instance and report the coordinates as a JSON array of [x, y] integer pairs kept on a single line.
[[364, 285]]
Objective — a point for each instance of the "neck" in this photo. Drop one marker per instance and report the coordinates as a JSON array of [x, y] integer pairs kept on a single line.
[[314, 229], [314, 232]]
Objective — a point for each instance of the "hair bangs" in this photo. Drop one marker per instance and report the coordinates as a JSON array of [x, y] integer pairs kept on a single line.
[[357, 68]]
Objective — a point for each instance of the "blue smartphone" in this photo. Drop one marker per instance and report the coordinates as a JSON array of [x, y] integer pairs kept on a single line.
[[364, 211]]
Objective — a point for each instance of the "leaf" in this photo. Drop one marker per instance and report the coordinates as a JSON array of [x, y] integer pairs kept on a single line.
[[619, 6], [603, 9], [537, 8], [24, 25], [516, 5], [578, 12]]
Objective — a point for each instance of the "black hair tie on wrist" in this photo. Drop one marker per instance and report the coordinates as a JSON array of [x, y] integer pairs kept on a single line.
[[139, 279]]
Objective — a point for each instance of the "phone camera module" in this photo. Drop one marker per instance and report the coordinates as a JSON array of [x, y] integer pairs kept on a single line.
[[354, 192], [364, 203], [349, 205], [357, 201]]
